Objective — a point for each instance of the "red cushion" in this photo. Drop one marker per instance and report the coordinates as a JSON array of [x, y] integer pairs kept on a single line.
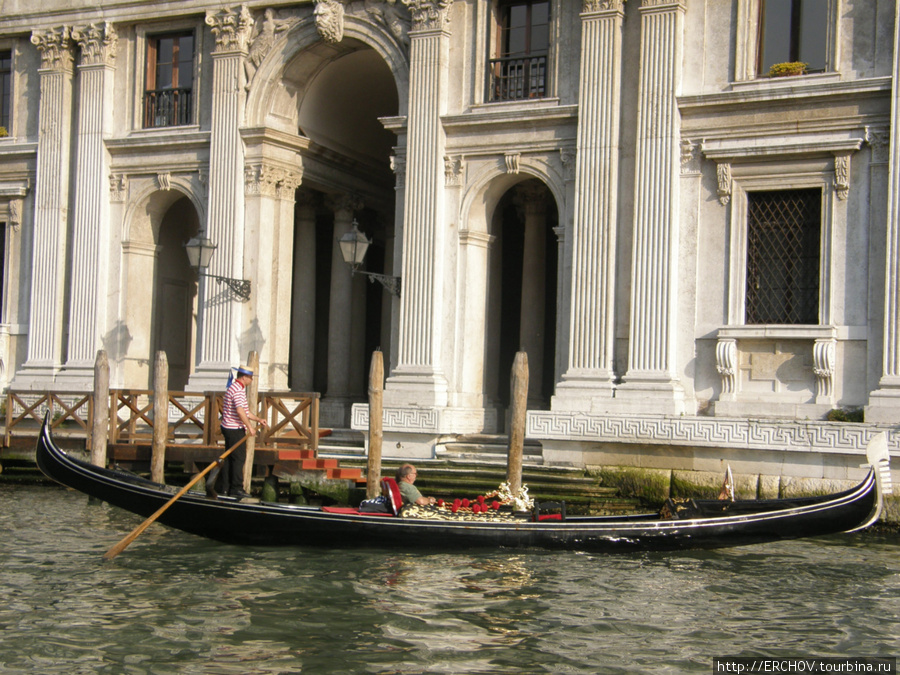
[[392, 492], [550, 516], [346, 510]]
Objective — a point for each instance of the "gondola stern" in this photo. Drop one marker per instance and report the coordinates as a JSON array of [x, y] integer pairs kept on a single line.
[[878, 457]]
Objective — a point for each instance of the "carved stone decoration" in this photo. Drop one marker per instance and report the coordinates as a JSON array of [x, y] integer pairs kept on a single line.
[[231, 28], [15, 214], [261, 179], [567, 156], [823, 367], [394, 16], [55, 46], [726, 365], [99, 44], [164, 180], [690, 157], [512, 162], [287, 186], [723, 176], [398, 166], [602, 5], [344, 201], [842, 176], [879, 140], [118, 187], [265, 32], [429, 14], [454, 167], [330, 20]]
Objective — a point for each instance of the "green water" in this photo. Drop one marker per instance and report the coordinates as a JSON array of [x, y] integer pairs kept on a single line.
[[175, 603]]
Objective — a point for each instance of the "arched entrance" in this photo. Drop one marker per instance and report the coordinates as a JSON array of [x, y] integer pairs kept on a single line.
[[523, 291], [175, 293]]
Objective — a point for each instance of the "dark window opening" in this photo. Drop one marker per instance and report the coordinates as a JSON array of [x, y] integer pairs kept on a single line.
[[5, 89], [792, 31], [523, 42], [783, 235], [168, 96]]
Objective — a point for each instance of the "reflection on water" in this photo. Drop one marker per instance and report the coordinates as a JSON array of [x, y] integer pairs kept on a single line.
[[174, 603]]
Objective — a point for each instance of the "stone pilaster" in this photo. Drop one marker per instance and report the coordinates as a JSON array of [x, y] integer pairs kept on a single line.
[[591, 338], [651, 383], [90, 226], [418, 378], [45, 320], [219, 344], [303, 330], [884, 403]]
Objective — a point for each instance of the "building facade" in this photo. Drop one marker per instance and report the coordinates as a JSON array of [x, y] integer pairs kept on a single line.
[[696, 247]]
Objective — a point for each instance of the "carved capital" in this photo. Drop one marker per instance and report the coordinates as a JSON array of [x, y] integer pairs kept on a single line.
[[344, 201], [602, 5], [398, 166], [118, 187], [231, 28], [454, 167], [690, 157], [429, 14], [879, 139], [99, 44], [55, 46], [568, 156]]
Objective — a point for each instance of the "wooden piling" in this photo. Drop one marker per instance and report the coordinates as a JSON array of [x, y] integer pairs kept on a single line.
[[100, 423], [518, 406], [160, 418], [253, 403], [376, 392]]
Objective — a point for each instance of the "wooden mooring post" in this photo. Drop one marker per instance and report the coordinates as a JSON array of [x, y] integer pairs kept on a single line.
[[253, 403], [160, 418], [518, 407], [100, 423], [376, 393]]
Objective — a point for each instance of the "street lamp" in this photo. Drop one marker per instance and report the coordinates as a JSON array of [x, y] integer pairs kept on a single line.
[[354, 245], [199, 251]]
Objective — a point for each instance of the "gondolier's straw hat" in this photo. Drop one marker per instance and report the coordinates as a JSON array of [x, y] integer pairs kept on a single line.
[[244, 370]]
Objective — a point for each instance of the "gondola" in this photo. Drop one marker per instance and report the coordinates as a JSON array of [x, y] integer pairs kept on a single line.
[[694, 524]]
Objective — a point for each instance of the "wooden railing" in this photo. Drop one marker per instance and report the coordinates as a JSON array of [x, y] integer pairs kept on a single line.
[[193, 418]]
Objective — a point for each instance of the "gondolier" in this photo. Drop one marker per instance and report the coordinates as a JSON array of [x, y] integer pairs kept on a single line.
[[237, 422]]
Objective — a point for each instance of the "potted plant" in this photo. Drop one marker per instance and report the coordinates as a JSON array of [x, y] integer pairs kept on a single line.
[[3, 132], [788, 69]]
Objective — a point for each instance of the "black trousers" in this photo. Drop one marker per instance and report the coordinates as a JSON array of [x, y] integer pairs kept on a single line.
[[231, 477]]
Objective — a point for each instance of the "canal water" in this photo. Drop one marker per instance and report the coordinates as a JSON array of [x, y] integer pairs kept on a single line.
[[175, 603]]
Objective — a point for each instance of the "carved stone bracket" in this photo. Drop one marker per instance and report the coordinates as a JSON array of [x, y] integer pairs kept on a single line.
[[454, 168], [55, 46], [723, 177], [823, 367], [726, 365], [842, 175], [231, 28], [98, 43], [512, 161]]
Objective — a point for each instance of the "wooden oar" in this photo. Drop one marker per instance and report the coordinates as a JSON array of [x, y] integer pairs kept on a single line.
[[118, 548]]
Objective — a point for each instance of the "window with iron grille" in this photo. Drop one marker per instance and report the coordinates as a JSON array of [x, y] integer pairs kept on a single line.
[[5, 88], [783, 235], [170, 76], [519, 70], [791, 31]]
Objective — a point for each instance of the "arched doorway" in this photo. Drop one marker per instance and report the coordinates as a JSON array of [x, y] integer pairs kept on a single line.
[[523, 291], [175, 293]]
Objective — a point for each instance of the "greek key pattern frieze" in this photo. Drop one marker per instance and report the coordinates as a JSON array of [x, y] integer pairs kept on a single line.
[[410, 420], [711, 432]]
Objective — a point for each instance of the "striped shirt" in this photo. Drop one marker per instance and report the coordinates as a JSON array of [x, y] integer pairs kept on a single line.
[[235, 397]]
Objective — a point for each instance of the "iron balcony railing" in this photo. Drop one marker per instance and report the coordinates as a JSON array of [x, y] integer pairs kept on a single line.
[[515, 78], [167, 108]]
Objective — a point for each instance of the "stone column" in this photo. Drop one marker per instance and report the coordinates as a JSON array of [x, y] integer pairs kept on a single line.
[[650, 382], [884, 402], [303, 330], [90, 227], [533, 200], [219, 344], [45, 320], [592, 312], [418, 378], [340, 316]]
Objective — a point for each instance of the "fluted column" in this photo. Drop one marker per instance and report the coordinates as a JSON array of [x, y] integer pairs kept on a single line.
[[219, 344], [48, 270], [418, 378], [90, 227], [591, 330], [533, 200], [651, 379], [884, 403]]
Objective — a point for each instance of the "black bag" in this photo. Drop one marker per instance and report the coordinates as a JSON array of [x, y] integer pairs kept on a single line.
[[377, 505]]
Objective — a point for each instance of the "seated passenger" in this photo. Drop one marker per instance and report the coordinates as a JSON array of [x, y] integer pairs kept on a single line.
[[406, 476]]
